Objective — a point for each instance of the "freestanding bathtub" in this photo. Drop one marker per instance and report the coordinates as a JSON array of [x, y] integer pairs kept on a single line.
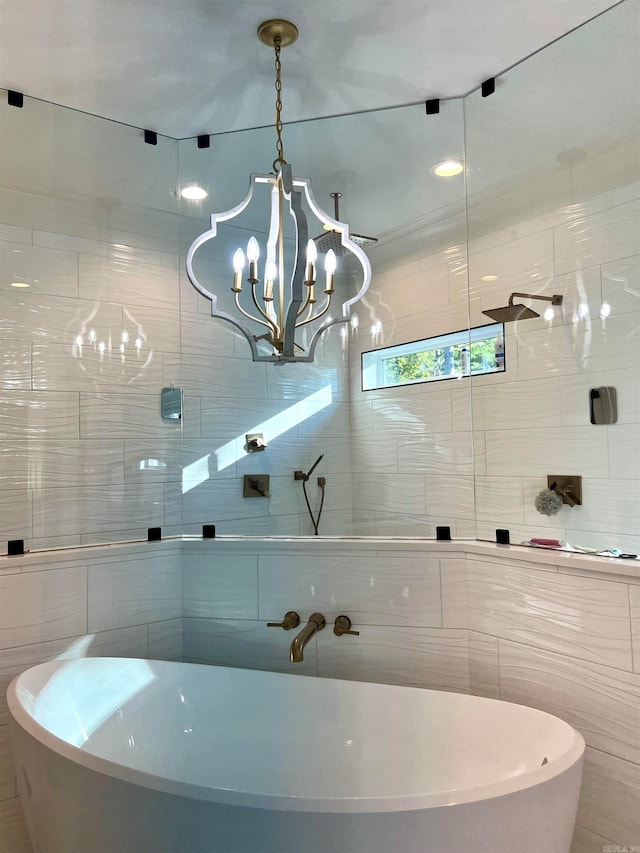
[[134, 756]]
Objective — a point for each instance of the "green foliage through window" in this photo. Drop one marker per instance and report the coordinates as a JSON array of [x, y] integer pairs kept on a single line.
[[434, 358]]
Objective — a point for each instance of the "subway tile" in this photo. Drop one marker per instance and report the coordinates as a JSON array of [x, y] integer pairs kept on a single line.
[[215, 376], [499, 498], [128, 281], [204, 336], [233, 417], [15, 514], [393, 493], [49, 272], [624, 451], [153, 461], [124, 416], [116, 643], [15, 233], [399, 415], [59, 368], [7, 772], [451, 497], [517, 405], [13, 830], [224, 587], [609, 507], [576, 616], [374, 451], [426, 657], [599, 239], [601, 702], [134, 592], [634, 603], [318, 415], [303, 381], [39, 463], [515, 263], [609, 797], [39, 414], [35, 317], [436, 453], [585, 841], [453, 585], [621, 284], [542, 451], [267, 525], [15, 366], [598, 345], [97, 509], [244, 643], [394, 591], [408, 525], [484, 673], [114, 252], [165, 640], [40, 606]]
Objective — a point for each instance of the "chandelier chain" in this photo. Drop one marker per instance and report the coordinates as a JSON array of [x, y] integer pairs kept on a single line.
[[277, 44]]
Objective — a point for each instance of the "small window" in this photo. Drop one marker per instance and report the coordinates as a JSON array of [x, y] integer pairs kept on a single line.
[[469, 352]]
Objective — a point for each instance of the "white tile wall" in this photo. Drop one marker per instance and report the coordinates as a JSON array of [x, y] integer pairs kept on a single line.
[[576, 616]]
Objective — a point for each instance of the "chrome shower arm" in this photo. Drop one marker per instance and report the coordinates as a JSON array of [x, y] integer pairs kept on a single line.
[[556, 299]]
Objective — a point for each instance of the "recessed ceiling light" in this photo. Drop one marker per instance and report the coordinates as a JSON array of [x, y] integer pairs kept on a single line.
[[489, 278], [20, 284], [193, 193], [448, 168]]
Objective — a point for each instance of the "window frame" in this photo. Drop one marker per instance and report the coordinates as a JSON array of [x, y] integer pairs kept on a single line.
[[375, 369]]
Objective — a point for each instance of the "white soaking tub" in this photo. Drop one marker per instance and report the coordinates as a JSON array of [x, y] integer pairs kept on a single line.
[[134, 756]]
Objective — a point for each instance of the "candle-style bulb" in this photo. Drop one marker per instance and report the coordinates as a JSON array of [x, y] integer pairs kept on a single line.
[[238, 260], [329, 268], [238, 266], [253, 249], [270, 273], [312, 254], [253, 253]]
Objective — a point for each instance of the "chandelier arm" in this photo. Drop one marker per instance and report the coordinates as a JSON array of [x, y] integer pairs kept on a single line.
[[249, 316], [269, 320], [305, 304], [316, 316], [316, 338], [294, 197]]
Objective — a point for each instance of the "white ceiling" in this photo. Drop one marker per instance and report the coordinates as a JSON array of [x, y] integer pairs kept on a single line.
[[184, 67]]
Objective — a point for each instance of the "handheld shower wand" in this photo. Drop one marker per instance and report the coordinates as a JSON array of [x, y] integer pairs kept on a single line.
[[300, 475]]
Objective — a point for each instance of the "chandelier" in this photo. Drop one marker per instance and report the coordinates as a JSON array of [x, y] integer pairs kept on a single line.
[[285, 284]]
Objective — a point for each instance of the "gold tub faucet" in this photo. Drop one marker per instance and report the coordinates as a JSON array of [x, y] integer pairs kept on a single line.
[[316, 623]]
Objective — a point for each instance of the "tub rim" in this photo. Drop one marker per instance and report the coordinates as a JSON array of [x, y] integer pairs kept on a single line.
[[20, 716]]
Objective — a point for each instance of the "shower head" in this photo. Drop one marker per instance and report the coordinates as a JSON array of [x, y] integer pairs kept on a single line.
[[331, 239], [510, 313]]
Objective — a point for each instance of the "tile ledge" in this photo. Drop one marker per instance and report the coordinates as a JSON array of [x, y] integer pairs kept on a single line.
[[368, 544]]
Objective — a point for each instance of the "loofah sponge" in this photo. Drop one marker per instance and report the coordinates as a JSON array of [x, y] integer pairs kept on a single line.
[[548, 502]]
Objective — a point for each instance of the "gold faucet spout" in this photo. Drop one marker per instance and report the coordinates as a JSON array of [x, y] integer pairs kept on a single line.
[[316, 623]]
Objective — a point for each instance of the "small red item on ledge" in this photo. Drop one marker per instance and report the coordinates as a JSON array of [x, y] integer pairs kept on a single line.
[[552, 543]]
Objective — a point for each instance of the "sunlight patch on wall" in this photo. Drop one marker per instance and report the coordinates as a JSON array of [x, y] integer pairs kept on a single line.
[[228, 454]]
